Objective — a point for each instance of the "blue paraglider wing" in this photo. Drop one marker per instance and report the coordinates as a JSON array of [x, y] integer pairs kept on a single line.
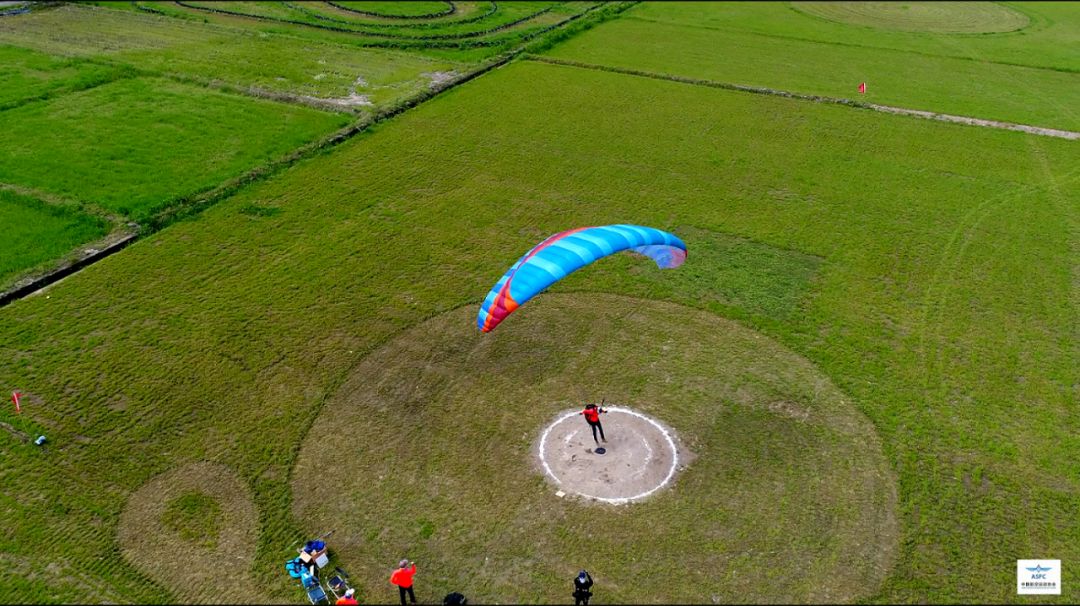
[[566, 252]]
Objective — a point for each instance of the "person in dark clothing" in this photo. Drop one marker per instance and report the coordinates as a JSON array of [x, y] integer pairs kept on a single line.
[[592, 417], [454, 599], [582, 585]]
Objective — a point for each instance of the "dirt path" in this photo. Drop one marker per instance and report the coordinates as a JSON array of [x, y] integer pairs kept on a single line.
[[1034, 130], [761, 90]]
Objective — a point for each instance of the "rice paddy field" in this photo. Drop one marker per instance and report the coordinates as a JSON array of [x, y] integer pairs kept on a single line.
[[870, 356]]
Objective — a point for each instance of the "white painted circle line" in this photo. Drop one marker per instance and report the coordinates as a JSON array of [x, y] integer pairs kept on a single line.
[[620, 500]]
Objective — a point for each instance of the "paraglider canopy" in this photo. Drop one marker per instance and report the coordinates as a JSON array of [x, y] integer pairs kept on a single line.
[[565, 252]]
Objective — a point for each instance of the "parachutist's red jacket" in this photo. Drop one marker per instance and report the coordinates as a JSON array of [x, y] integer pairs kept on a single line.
[[402, 577], [592, 415]]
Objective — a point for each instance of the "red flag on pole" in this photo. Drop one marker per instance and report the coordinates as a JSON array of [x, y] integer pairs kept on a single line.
[[15, 398], [862, 88]]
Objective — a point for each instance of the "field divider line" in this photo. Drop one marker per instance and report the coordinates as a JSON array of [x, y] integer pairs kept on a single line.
[[36, 284], [432, 40], [195, 203], [761, 90]]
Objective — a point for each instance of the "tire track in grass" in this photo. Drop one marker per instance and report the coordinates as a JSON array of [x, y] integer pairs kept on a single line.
[[936, 295]]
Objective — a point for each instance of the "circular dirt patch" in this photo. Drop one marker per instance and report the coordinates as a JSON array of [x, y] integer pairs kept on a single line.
[[428, 451], [200, 561], [640, 456], [937, 17]]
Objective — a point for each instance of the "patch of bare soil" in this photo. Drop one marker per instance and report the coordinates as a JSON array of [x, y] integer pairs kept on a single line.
[[640, 457], [440, 78]]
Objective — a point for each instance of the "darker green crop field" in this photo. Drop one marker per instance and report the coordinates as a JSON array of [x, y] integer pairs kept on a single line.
[[26, 75], [36, 233], [929, 272]]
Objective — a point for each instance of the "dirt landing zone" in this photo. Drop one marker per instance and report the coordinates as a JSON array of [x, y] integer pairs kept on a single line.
[[641, 456]]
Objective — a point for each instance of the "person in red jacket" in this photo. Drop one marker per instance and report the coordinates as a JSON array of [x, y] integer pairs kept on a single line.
[[349, 599], [592, 417], [402, 577]]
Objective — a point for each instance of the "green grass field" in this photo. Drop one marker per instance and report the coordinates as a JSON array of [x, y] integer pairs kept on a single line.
[[1026, 95], [1046, 42], [482, 31], [871, 350], [232, 55], [136, 146], [26, 75], [399, 9], [36, 233], [507, 15], [936, 17]]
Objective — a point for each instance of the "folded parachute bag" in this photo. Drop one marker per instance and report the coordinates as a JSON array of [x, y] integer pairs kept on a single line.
[[293, 567]]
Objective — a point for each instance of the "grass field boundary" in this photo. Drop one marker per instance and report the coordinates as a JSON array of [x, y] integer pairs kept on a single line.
[[17, 9], [434, 37], [492, 8], [255, 92], [761, 90], [445, 13], [195, 203], [36, 284], [394, 42], [433, 41], [854, 45], [51, 199], [121, 71]]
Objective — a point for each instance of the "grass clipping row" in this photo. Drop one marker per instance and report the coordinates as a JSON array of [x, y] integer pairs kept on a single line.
[[426, 452]]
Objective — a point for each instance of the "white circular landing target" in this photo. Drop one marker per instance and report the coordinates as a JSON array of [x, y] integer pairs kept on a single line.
[[641, 456]]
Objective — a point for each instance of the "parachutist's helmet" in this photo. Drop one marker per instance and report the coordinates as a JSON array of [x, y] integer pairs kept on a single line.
[[583, 575]]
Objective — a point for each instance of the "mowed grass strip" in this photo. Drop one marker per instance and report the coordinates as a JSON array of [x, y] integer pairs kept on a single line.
[[235, 56], [1048, 41], [136, 146], [36, 233], [26, 75], [943, 305], [1024, 95]]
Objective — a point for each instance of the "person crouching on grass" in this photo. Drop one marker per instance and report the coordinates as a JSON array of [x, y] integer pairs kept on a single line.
[[402, 577], [592, 417]]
